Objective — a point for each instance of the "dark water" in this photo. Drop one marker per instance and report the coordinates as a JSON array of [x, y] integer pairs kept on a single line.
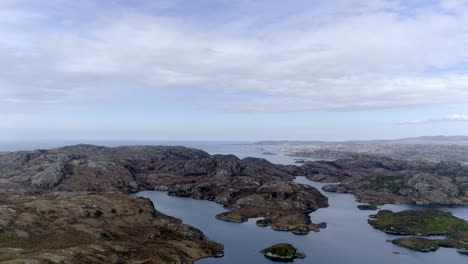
[[347, 239]]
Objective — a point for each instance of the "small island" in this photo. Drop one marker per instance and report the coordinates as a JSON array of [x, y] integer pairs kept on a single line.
[[370, 207], [282, 252], [417, 223]]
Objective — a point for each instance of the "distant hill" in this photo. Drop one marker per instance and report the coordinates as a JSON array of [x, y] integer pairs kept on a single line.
[[432, 148], [413, 140]]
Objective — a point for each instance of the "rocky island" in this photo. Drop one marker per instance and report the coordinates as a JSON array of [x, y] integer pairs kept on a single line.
[[423, 223], [282, 252], [370, 207]]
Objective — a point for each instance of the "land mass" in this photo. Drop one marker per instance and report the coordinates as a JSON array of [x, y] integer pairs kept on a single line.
[[382, 180], [424, 223], [282, 252], [74, 204], [436, 148], [86, 191]]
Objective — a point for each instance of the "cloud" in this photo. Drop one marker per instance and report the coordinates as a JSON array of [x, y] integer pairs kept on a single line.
[[449, 118], [338, 56]]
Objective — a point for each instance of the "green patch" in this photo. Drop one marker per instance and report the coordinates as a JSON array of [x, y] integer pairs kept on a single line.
[[427, 245], [417, 243], [426, 223], [461, 231], [414, 222], [390, 183], [282, 251], [59, 240], [464, 188]]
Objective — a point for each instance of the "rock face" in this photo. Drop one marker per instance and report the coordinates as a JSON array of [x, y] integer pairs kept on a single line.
[[380, 180], [423, 223]]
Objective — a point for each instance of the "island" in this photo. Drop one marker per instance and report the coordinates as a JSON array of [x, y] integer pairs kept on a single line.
[[417, 223], [370, 207], [282, 252]]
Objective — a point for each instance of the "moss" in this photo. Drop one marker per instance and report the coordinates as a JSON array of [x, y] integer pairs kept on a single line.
[[65, 239], [427, 245], [414, 222], [417, 243], [232, 216], [391, 183], [282, 251], [460, 231]]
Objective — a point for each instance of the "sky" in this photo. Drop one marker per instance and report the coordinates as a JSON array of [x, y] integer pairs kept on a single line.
[[232, 70]]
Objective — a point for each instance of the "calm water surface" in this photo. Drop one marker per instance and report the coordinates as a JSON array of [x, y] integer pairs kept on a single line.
[[347, 239]]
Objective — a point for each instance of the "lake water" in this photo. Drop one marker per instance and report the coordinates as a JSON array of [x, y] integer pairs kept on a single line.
[[347, 239]]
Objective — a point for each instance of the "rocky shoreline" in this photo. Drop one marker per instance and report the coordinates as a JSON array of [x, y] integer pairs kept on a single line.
[[282, 252], [247, 188], [419, 225], [381, 180]]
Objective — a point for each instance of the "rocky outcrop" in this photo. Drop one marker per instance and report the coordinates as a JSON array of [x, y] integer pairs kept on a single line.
[[435, 149], [85, 227], [249, 187], [423, 223], [380, 180], [282, 252]]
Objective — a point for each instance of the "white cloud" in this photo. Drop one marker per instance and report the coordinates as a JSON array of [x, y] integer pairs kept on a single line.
[[449, 118], [373, 56]]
